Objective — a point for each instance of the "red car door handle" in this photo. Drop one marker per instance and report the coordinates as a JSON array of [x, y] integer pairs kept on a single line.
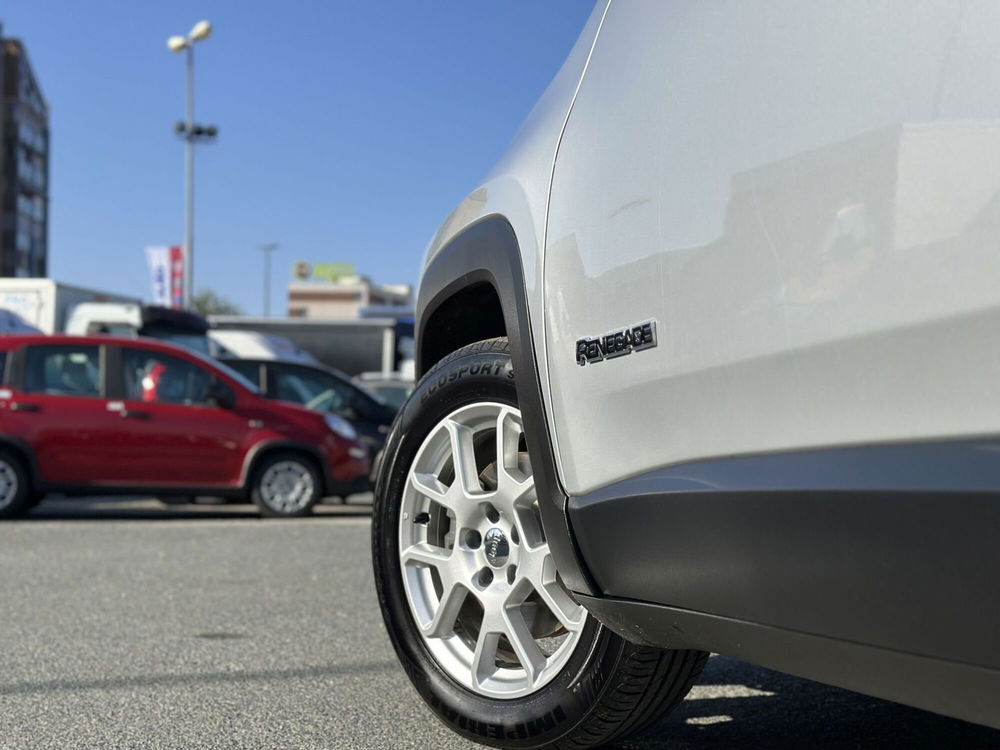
[[126, 414], [24, 407]]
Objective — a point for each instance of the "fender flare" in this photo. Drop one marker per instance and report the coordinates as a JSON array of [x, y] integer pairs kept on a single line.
[[488, 252]]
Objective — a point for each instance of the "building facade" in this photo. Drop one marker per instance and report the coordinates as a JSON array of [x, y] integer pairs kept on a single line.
[[348, 297], [24, 166]]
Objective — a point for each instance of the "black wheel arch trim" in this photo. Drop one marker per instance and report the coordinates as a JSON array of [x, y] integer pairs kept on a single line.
[[487, 252]]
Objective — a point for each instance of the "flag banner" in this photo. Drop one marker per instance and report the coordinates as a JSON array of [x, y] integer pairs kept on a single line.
[[176, 277], [166, 273], [158, 259]]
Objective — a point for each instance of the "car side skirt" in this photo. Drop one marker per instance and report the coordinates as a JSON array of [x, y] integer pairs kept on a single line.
[[963, 691], [888, 547]]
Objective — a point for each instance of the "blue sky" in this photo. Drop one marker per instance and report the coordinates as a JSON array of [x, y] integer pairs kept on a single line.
[[348, 130]]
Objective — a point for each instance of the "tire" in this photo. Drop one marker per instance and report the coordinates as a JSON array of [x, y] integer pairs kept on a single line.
[[467, 661], [16, 496], [286, 485]]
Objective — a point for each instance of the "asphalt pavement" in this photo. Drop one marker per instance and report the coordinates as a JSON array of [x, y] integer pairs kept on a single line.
[[125, 624]]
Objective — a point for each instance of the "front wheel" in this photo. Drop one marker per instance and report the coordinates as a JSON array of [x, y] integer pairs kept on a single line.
[[285, 485], [470, 593]]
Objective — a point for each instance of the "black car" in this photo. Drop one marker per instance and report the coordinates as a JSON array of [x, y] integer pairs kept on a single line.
[[323, 389]]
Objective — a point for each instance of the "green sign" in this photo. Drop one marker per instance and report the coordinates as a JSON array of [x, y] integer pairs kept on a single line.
[[323, 271]]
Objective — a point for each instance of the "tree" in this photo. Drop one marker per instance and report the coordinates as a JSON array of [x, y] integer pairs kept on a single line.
[[206, 302]]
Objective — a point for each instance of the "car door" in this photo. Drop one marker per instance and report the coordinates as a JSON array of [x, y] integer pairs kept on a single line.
[[800, 237], [176, 436], [58, 406]]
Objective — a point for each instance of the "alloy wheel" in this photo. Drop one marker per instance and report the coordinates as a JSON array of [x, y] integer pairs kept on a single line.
[[286, 486], [479, 576]]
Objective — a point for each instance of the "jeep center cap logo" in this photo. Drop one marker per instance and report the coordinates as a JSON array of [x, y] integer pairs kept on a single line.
[[496, 547]]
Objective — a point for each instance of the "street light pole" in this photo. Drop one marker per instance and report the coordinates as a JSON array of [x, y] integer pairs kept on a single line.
[[189, 184], [267, 249], [191, 132]]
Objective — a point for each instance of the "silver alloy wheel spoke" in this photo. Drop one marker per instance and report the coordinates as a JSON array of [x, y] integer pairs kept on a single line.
[[464, 457], [525, 648], [425, 554], [443, 622], [429, 486], [477, 571], [485, 656], [570, 614]]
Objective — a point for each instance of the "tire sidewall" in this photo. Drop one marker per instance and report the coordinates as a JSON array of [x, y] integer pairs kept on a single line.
[[258, 476], [531, 721], [21, 500]]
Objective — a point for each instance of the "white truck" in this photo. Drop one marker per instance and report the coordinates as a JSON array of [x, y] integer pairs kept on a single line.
[[47, 304], [52, 307], [352, 346]]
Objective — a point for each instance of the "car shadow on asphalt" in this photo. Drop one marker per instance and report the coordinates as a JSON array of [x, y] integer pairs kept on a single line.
[[149, 509], [738, 705]]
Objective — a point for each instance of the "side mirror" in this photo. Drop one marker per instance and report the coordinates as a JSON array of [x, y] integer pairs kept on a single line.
[[221, 395]]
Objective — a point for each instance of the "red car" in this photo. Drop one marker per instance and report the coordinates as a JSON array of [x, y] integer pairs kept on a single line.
[[88, 415]]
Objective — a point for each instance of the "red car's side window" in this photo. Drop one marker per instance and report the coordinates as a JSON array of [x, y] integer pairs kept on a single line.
[[154, 377], [63, 370]]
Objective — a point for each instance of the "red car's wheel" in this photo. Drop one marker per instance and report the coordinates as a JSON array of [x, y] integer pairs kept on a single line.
[[15, 486], [286, 485]]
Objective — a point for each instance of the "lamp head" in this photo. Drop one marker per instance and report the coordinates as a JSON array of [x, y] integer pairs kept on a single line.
[[201, 30], [176, 43]]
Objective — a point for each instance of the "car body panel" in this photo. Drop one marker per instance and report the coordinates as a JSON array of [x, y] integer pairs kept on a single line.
[[80, 445], [799, 231], [174, 443]]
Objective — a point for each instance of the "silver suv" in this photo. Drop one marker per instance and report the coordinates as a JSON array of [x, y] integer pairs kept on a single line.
[[708, 363]]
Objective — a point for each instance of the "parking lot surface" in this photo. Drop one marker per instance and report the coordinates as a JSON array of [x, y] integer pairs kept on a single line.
[[127, 624]]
